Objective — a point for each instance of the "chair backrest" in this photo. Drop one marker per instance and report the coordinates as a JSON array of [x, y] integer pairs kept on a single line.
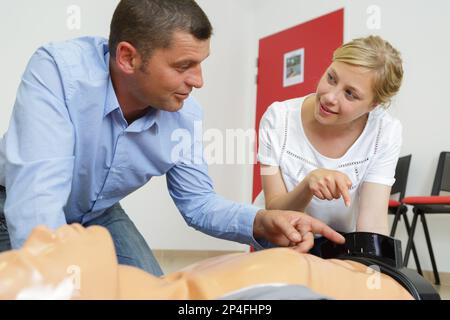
[[401, 176], [442, 177]]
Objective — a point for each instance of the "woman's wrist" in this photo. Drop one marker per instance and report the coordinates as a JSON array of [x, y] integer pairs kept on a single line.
[[303, 188], [303, 194]]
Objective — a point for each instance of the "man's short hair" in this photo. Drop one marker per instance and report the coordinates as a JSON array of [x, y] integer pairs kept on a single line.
[[150, 24]]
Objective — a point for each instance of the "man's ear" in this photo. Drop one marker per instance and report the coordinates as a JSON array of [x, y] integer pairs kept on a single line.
[[127, 57]]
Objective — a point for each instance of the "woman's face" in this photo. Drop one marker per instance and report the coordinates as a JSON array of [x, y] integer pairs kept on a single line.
[[344, 94]]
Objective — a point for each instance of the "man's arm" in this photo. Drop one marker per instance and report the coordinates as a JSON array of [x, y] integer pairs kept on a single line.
[[39, 151], [192, 191]]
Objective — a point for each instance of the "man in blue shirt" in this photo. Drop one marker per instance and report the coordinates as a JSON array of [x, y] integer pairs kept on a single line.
[[94, 121]]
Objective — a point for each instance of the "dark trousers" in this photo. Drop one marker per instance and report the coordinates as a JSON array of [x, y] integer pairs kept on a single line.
[[5, 244]]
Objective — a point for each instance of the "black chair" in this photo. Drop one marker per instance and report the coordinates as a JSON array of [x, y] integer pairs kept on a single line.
[[397, 208], [434, 204]]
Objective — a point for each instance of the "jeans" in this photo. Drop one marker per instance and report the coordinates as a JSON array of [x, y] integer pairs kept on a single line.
[[5, 244], [131, 248]]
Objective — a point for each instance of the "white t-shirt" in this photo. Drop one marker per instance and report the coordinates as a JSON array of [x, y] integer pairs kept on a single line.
[[372, 158]]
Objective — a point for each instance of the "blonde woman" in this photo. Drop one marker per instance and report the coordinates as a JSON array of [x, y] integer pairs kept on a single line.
[[332, 154]]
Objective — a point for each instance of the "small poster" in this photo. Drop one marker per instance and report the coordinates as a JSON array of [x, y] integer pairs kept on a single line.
[[294, 63]]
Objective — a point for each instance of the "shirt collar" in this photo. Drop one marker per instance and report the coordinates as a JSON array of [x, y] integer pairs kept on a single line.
[[111, 102], [149, 120]]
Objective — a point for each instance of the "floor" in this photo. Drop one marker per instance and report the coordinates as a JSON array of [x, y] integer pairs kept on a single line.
[[444, 292], [172, 261]]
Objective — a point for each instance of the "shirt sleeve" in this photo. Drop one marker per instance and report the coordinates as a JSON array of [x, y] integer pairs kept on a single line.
[[192, 190], [387, 151], [270, 141], [39, 151]]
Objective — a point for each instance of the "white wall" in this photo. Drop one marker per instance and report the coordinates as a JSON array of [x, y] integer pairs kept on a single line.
[[25, 25], [420, 29]]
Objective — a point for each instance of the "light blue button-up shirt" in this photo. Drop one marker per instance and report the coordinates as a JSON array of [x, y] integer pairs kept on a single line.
[[69, 154]]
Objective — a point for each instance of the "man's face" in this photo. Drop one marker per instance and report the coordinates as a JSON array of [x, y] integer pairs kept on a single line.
[[167, 78]]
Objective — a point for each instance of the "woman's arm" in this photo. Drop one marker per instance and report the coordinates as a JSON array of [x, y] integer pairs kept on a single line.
[[322, 183], [276, 195], [373, 208]]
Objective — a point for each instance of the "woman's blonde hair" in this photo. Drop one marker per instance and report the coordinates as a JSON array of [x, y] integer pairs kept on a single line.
[[380, 56]]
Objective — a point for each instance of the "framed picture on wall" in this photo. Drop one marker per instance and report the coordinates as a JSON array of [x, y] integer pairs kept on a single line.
[[294, 63]]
